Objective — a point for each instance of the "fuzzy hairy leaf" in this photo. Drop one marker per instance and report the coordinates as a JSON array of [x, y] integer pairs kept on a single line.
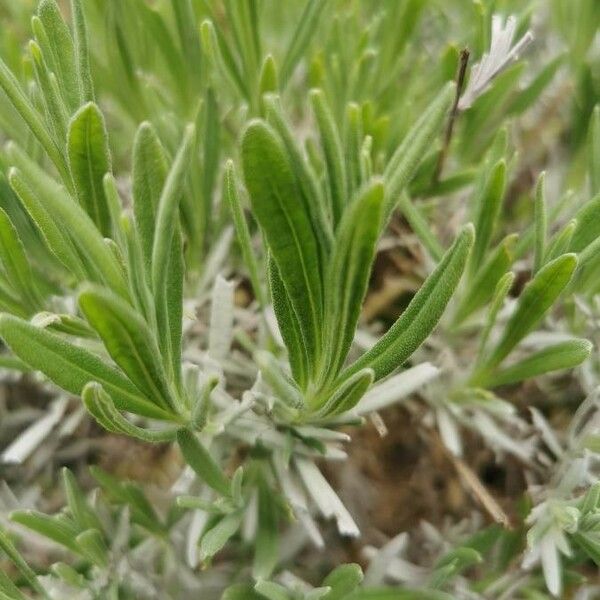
[[283, 217], [59, 51], [129, 342], [201, 461], [537, 297], [408, 155], [71, 367], [421, 315], [89, 161], [100, 405], [564, 355], [15, 263], [348, 273], [150, 170], [488, 209]]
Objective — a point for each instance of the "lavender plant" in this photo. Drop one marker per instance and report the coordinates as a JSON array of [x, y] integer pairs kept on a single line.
[[142, 139]]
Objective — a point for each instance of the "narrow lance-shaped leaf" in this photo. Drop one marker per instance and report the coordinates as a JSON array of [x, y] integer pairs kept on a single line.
[[343, 581], [588, 225], [541, 223], [266, 547], [419, 224], [28, 574], [306, 178], [421, 315], [408, 155], [71, 367], [58, 48], [487, 211], [97, 257], [535, 300], [56, 111], [242, 231], [561, 241], [218, 535], [353, 143], [481, 289], [289, 325], [286, 224], [129, 342], [16, 264], [203, 464], [167, 258], [82, 53], [346, 396], [594, 150], [89, 161], [502, 288], [57, 241], [23, 106], [305, 30], [81, 511], [564, 355], [348, 274], [150, 170], [100, 405]]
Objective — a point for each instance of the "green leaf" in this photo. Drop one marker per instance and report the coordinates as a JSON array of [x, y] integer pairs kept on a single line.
[[535, 300], [242, 232], [81, 512], [541, 223], [91, 544], [346, 396], [84, 75], [216, 537], [564, 355], [58, 50], [167, 258], [266, 546], [588, 225], [334, 154], [56, 111], [32, 119], [123, 492], [284, 219], [343, 581], [241, 591], [89, 161], [100, 405], [405, 160], [203, 464], [100, 262], [270, 590], [594, 150], [71, 367], [129, 342], [561, 242], [481, 289], [58, 528], [353, 143], [419, 224], [306, 28], [56, 239], [500, 292], [14, 555], [150, 170], [16, 265], [487, 211], [289, 326], [421, 315], [348, 274]]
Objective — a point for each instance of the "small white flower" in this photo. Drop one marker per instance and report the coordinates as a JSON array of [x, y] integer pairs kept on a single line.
[[500, 55]]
